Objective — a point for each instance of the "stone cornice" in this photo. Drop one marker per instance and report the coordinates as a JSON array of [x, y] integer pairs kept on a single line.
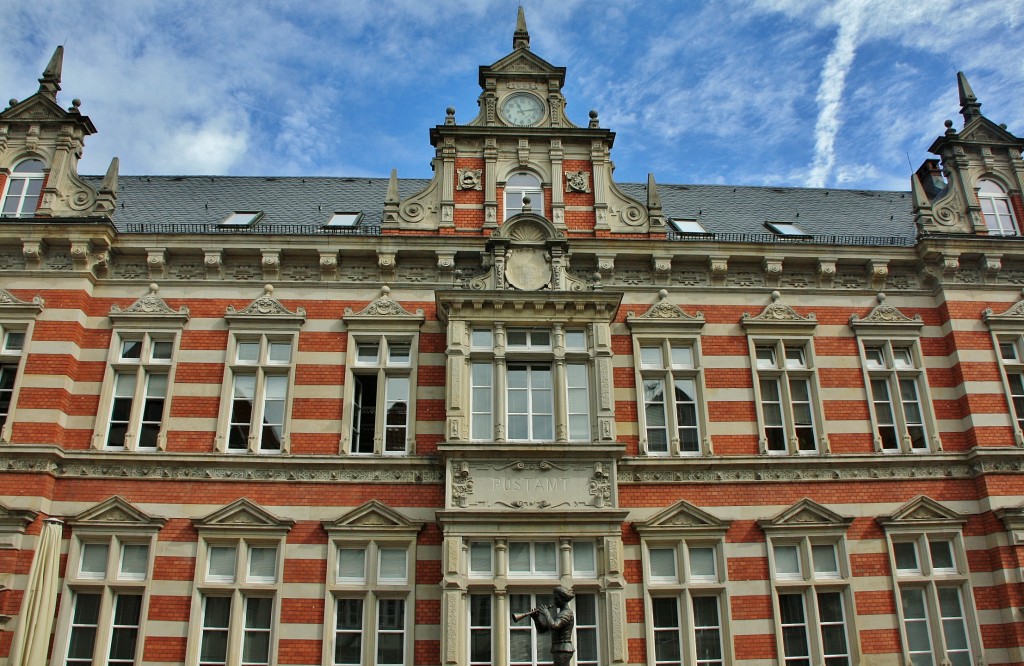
[[218, 467]]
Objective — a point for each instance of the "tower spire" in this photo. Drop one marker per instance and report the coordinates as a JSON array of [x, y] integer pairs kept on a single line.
[[970, 107], [521, 37], [49, 83]]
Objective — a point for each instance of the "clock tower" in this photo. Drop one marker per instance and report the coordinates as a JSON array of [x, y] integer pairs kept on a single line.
[[522, 153]]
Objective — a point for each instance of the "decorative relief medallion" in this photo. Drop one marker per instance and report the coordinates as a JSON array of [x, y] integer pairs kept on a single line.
[[528, 269], [469, 179], [577, 181]]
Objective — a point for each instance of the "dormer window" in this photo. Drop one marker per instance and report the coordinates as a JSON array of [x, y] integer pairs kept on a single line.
[[242, 218], [21, 196], [995, 207], [342, 219], [787, 229], [687, 226], [519, 186]]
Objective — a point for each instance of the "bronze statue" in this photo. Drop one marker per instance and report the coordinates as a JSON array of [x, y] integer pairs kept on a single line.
[[559, 620]]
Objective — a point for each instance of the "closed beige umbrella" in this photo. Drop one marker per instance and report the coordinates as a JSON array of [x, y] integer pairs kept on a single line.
[[38, 607]]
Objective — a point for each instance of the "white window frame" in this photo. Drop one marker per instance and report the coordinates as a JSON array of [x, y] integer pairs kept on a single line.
[[13, 339], [901, 362], [27, 200], [996, 208], [372, 590], [110, 584], [261, 369], [1010, 348], [151, 361], [786, 373], [516, 192], [385, 372], [668, 372], [555, 358]]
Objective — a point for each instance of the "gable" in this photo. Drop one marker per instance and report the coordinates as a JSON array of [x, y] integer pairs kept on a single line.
[[806, 514], [682, 517], [373, 516], [115, 513], [243, 514], [922, 511]]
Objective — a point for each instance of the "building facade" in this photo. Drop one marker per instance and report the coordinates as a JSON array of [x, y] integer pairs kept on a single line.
[[364, 421]]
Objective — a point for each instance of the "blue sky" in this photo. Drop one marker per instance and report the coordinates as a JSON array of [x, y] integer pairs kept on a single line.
[[753, 92]]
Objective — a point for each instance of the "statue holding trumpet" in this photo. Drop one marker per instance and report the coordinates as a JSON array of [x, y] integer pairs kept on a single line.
[[559, 620]]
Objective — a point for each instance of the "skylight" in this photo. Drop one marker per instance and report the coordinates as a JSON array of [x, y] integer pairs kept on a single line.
[[786, 229], [242, 218], [342, 219], [687, 226]]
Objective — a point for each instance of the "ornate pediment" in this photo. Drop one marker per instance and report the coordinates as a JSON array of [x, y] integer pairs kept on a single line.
[[150, 307], [779, 315], [983, 130], [115, 513], [1013, 317], [383, 307], [37, 108], [373, 517], [243, 514], [522, 61], [804, 515], [683, 517], [665, 314], [266, 310], [11, 306], [922, 511], [885, 317]]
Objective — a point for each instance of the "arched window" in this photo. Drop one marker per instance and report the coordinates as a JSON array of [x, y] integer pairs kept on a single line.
[[521, 185], [23, 188], [995, 206]]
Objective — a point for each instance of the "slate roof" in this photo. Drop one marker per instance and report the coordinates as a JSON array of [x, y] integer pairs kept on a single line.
[[193, 204]]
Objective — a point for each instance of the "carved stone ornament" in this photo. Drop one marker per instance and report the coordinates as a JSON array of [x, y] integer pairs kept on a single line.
[[469, 179], [663, 310], [683, 517], [577, 181], [267, 306], [528, 269], [887, 316], [923, 510], [804, 515], [150, 305], [373, 517], [1013, 316], [11, 305], [114, 512], [384, 306], [243, 514], [462, 485], [778, 313]]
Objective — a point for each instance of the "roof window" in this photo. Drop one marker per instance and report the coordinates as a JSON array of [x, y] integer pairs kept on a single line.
[[687, 226], [786, 229], [242, 218], [343, 219]]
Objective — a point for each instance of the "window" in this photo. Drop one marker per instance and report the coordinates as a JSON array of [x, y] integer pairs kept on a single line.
[[787, 229], [521, 186], [242, 219], [381, 394], [895, 377], [141, 370], [24, 185], [786, 395], [686, 592], [341, 219], [546, 379], [371, 587], [687, 226], [812, 597], [670, 384], [930, 575], [996, 209], [107, 583], [1010, 351], [260, 374], [11, 348], [238, 585]]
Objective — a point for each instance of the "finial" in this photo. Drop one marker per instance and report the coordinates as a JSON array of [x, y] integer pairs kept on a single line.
[[392, 195], [268, 289], [949, 126], [153, 288], [776, 296], [527, 208], [521, 37], [970, 107], [49, 83], [109, 183], [449, 115], [593, 119], [663, 294], [75, 104], [880, 297], [12, 102], [385, 290], [653, 197]]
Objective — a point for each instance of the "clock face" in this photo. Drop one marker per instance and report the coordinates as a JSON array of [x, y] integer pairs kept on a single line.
[[522, 109]]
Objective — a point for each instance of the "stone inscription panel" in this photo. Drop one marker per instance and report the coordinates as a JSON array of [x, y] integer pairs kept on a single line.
[[533, 484]]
